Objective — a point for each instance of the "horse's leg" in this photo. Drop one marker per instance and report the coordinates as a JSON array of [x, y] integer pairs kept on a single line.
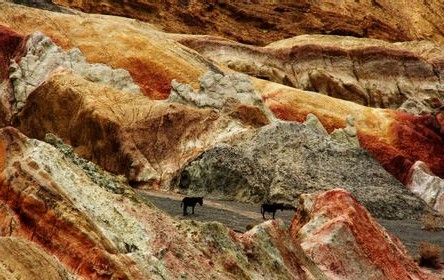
[[192, 207], [184, 210], [274, 212]]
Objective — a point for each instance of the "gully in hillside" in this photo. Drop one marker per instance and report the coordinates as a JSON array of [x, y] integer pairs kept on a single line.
[[190, 201]]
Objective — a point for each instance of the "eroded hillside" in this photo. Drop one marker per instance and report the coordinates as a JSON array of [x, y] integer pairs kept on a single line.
[[345, 129]]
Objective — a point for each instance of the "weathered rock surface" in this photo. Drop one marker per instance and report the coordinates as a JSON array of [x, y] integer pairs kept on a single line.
[[427, 186], [121, 43], [22, 259], [366, 71], [231, 93], [145, 140], [343, 239], [63, 217], [42, 57], [9, 42], [51, 205], [283, 160], [396, 139], [263, 21], [54, 203]]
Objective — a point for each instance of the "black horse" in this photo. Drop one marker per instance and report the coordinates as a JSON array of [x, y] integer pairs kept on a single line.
[[190, 201], [271, 208]]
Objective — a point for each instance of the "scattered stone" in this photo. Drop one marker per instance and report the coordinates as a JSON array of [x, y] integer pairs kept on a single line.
[[347, 135], [313, 122]]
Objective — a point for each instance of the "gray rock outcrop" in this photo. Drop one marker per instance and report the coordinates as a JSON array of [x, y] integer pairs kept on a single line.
[[348, 134], [283, 160], [219, 91]]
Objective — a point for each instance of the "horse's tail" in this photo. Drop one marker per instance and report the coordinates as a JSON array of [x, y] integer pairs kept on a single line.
[[262, 209], [181, 203]]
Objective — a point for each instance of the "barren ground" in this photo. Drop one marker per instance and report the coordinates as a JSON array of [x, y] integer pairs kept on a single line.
[[239, 215]]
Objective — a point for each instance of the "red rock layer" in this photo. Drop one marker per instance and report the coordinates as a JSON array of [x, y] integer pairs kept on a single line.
[[331, 224], [411, 138], [42, 214], [98, 234], [9, 41]]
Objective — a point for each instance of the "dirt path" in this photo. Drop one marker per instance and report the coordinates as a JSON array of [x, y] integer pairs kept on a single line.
[[239, 215]]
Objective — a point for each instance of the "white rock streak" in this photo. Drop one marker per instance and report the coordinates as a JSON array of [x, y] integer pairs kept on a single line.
[[43, 57]]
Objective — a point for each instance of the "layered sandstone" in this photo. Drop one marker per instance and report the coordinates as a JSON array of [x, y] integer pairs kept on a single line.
[[261, 21], [379, 131], [343, 239], [100, 232], [151, 59], [145, 140], [54, 203], [396, 139], [41, 57], [368, 72], [63, 217]]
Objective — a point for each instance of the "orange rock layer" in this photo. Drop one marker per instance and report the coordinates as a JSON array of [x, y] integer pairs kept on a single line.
[[118, 42], [411, 138]]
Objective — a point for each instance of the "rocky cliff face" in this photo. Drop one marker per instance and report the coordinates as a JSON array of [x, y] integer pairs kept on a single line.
[[335, 231], [145, 140], [368, 72], [263, 21]]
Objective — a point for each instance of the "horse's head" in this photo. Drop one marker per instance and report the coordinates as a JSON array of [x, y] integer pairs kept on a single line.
[[200, 201]]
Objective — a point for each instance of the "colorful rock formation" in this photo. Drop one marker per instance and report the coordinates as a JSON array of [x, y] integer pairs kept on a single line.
[[342, 238], [76, 78], [145, 140], [366, 71], [152, 60], [54, 203], [394, 138]]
